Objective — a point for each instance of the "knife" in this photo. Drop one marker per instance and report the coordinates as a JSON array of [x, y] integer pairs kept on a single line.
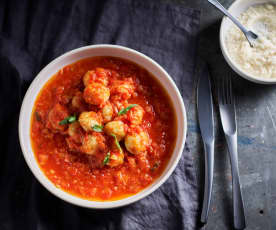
[[206, 124]]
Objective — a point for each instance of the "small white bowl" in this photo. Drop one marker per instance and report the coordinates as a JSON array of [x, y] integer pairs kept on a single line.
[[237, 8], [91, 51]]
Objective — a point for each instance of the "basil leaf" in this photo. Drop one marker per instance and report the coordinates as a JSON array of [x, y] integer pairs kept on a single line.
[[72, 119], [68, 120], [64, 122], [125, 110], [106, 159], [97, 128], [117, 142]]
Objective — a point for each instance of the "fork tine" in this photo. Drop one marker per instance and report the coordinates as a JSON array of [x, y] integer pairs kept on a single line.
[[228, 90], [225, 93], [226, 97]]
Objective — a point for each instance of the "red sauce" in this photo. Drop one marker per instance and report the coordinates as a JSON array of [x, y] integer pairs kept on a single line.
[[88, 163]]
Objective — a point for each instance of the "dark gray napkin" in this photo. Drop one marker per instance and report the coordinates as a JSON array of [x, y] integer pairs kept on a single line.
[[32, 33]]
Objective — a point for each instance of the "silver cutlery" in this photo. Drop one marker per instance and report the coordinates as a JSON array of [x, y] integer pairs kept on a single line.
[[206, 124], [228, 119], [250, 36]]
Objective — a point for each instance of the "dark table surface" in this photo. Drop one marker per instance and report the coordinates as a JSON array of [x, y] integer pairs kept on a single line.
[[256, 114]]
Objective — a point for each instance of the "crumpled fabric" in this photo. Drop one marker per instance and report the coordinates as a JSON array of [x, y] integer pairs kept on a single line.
[[33, 33]]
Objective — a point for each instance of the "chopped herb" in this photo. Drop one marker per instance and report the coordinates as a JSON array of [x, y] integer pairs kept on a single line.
[[72, 119], [155, 166], [106, 159], [125, 110], [117, 143], [37, 116], [97, 128], [68, 120]]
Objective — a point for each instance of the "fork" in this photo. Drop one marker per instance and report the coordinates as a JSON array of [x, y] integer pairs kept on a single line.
[[250, 36], [228, 119]]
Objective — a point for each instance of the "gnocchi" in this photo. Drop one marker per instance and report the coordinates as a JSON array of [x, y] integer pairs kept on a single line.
[[107, 112], [135, 115], [88, 120], [117, 128], [100, 75], [57, 114], [122, 90], [116, 158], [96, 94], [136, 142], [92, 144]]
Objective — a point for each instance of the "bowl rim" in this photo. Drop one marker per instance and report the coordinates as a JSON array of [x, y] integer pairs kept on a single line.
[[226, 54], [73, 199]]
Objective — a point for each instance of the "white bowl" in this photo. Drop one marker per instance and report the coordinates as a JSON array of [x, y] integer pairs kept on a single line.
[[237, 8], [91, 51]]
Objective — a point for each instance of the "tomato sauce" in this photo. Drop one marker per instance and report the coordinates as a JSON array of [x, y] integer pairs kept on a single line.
[[86, 159]]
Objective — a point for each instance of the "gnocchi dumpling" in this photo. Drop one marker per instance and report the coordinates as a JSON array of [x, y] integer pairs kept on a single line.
[[135, 115], [116, 158], [55, 116], [122, 90], [78, 102], [74, 129], [117, 128], [100, 75], [76, 135], [93, 143], [96, 94], [137, 142], [89, 77], [107, 112], [88, 120]]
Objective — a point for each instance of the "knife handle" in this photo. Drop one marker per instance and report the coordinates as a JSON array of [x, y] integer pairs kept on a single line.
[[209, 169]]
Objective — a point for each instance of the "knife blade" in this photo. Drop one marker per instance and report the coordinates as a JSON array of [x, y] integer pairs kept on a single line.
[[206, 124]]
